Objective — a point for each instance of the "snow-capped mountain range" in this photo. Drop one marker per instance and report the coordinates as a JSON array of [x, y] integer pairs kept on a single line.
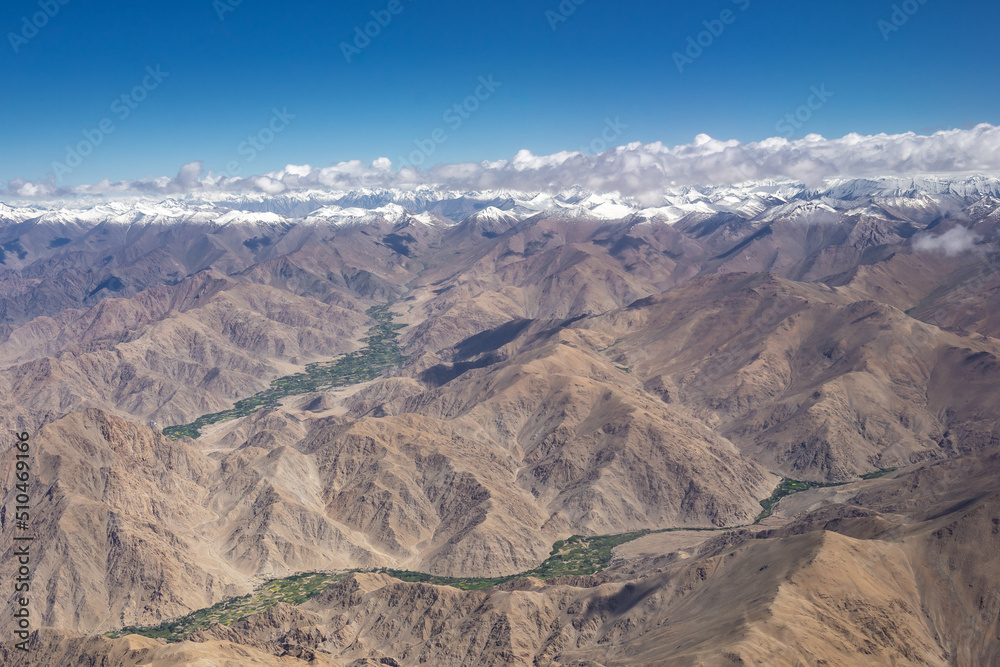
[[925, 197]]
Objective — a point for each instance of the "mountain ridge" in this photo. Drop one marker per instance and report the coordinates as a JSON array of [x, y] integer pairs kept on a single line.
[[565, 373]]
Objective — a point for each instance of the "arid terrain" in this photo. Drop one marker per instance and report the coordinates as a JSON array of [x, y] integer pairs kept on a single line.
[[572, 365]]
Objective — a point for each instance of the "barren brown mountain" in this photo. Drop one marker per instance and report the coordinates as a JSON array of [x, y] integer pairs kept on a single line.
[[563, 374]]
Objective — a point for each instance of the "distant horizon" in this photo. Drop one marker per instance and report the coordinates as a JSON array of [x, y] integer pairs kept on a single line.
[[211, 196], [422, 202]]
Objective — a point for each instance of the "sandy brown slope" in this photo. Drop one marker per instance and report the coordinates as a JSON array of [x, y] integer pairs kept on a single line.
[[477, 475], [527, 435], [509, 441], [810, 380], [555, 442], [555, 427], [169, 354], [116, 514], [509, 429], [467, 283], [560, 441], [841, 584], [52, 647], [113, 258]]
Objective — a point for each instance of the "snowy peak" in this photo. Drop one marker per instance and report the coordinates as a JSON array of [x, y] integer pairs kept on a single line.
[[342, 217], [493, 215], [921, 199]]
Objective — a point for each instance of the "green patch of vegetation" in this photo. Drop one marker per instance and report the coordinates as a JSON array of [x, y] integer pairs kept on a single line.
[[381, 351], [878, 473], [786, 488], [605, 349], [575, 556], [582, 555], [464, 583], [790, 486], [292, 590]]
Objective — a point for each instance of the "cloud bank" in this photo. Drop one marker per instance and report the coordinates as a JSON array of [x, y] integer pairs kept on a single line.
[[953, 242], [640, 170]]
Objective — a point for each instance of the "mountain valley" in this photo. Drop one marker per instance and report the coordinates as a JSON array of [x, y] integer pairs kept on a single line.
[[571, 364]]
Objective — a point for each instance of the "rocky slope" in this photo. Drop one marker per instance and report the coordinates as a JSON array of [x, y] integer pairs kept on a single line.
[[569, 371], [840, 584]]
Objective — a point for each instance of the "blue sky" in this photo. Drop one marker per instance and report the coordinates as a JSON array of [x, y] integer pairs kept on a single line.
[[222, 79]]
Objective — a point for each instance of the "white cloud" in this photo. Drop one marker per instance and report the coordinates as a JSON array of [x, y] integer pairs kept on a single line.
[[955, 241], [636, 169], [188, 176], [268, 185], [22, 188]]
